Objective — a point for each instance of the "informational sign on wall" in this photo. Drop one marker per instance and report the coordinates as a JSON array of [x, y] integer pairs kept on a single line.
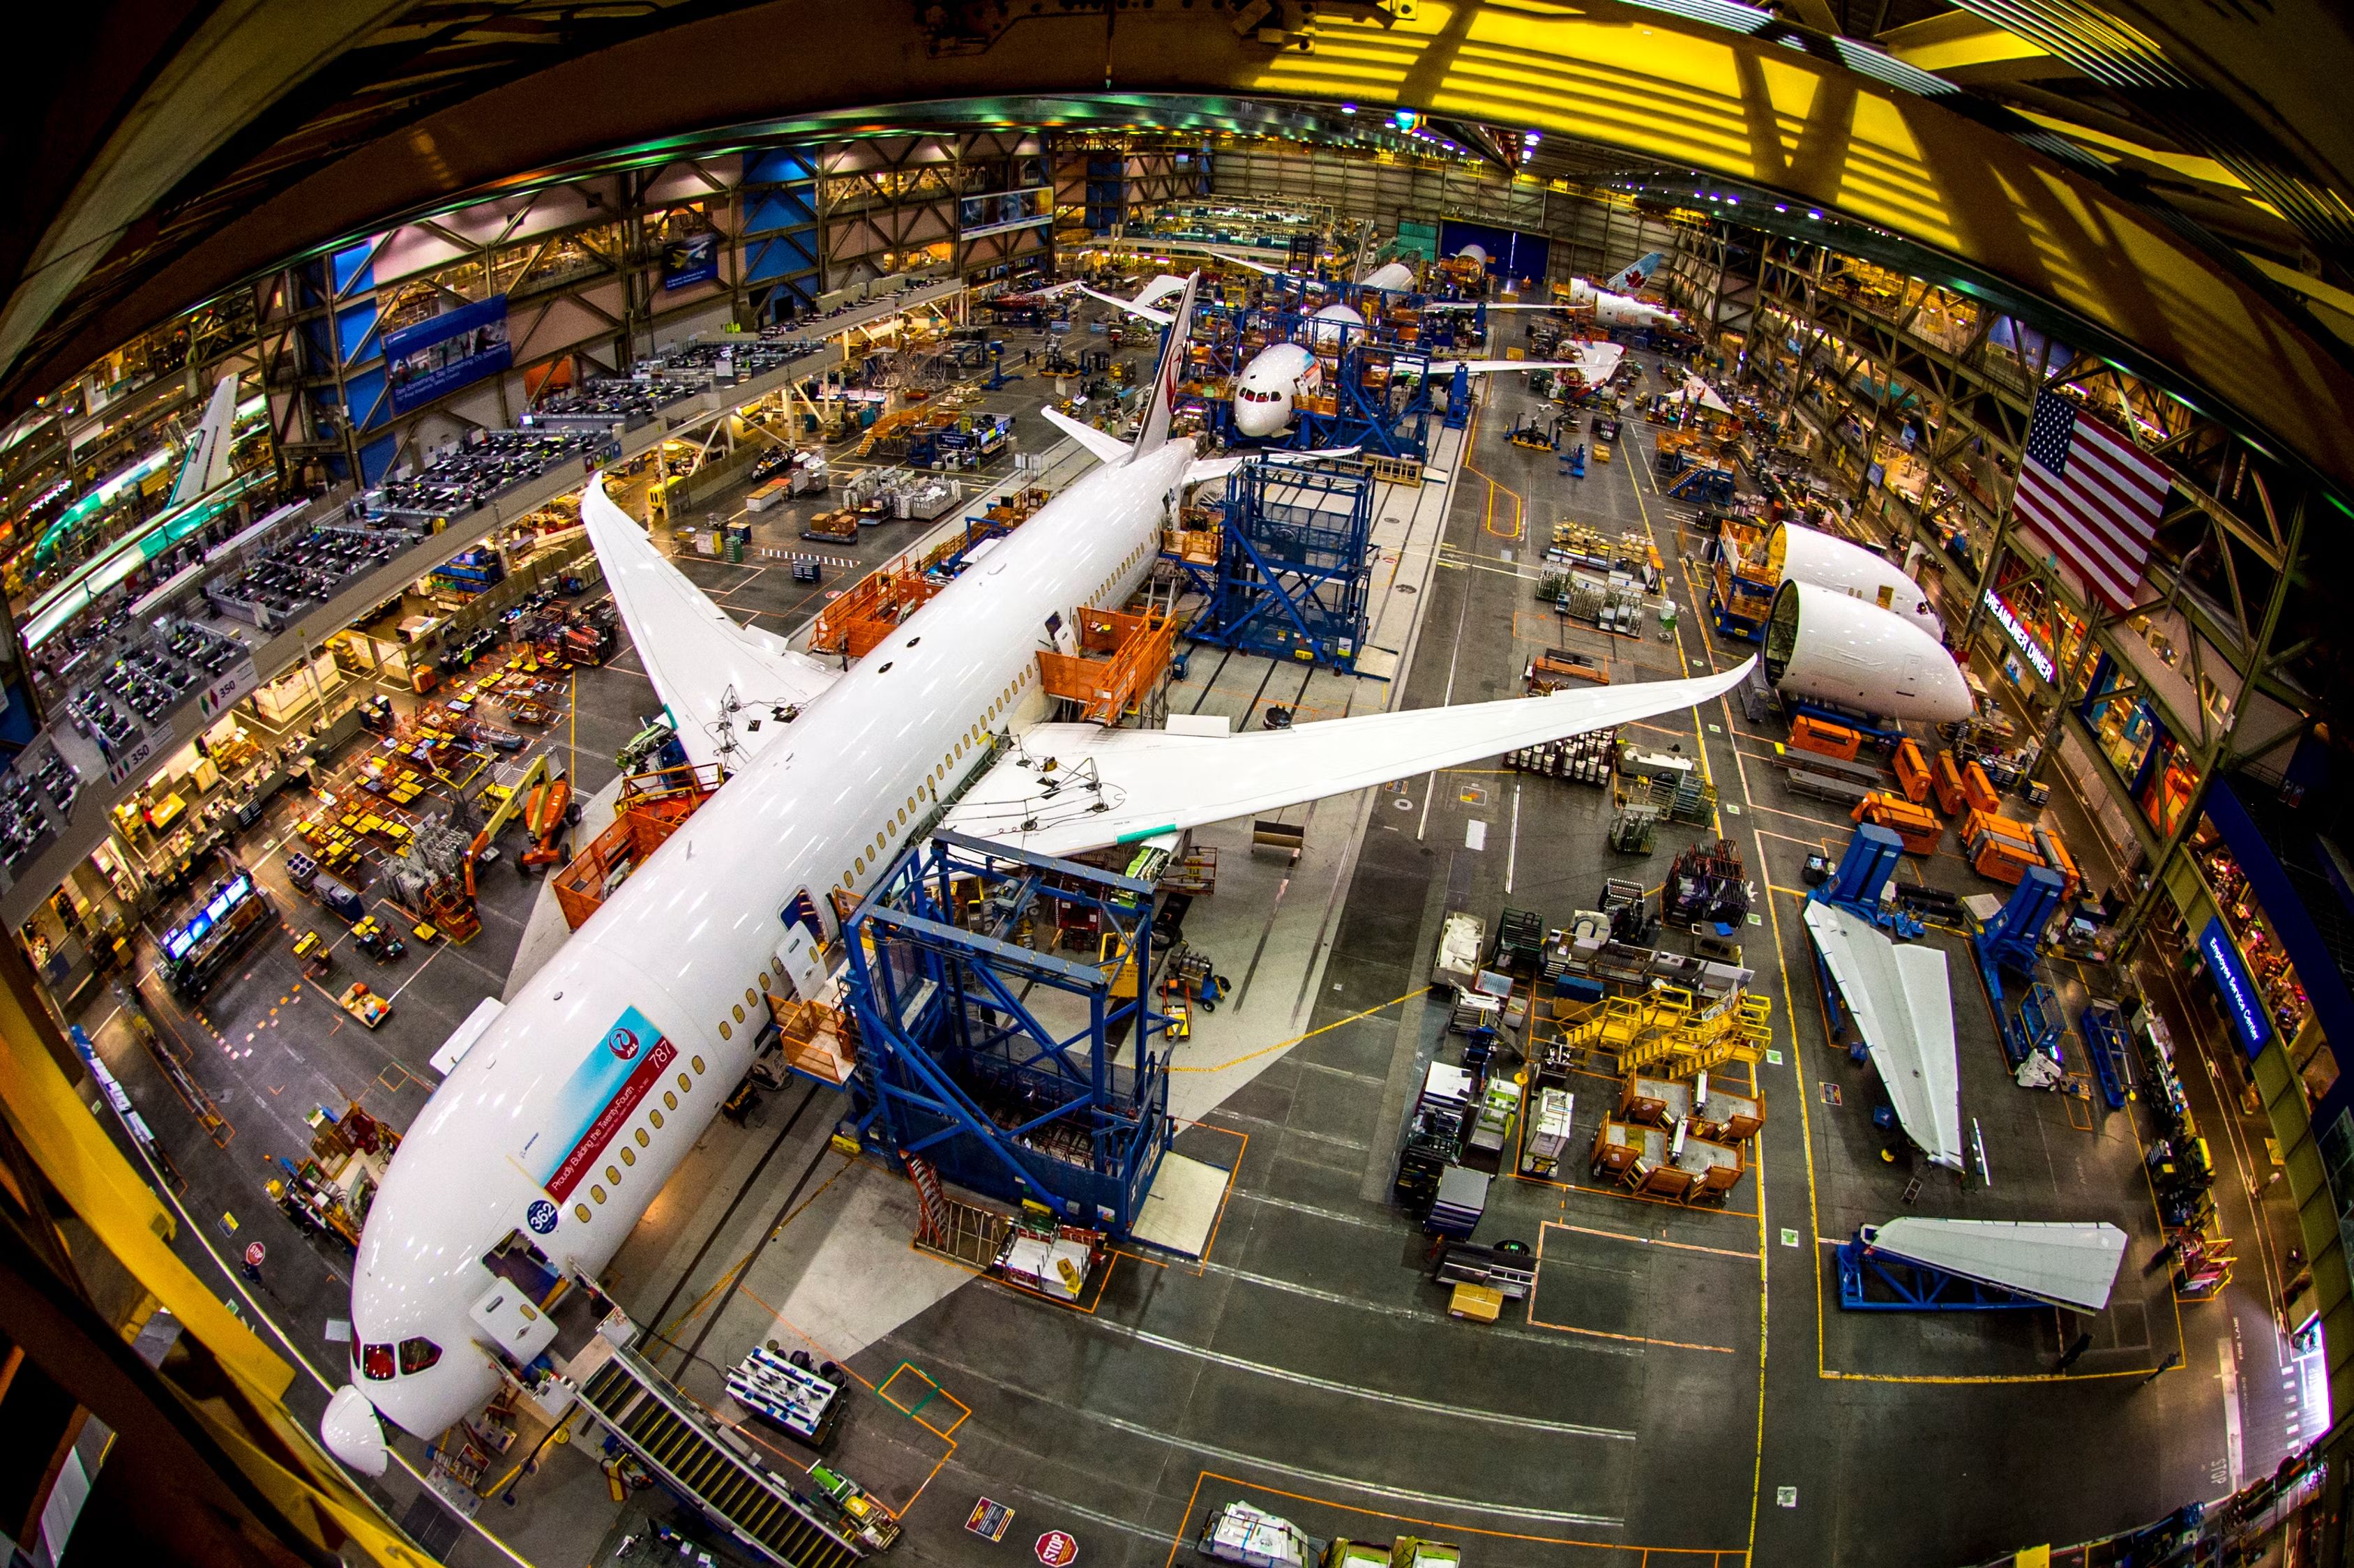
[[437, 356], [2241, 1001], [242, 678], [690, 259], [2008, 619]]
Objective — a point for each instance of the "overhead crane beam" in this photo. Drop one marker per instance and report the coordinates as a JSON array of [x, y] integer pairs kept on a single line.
[[1975, 187]]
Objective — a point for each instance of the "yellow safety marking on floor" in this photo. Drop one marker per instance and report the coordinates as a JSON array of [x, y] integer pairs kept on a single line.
[[1646, 1240], [1285, 1045], [932, 1391]]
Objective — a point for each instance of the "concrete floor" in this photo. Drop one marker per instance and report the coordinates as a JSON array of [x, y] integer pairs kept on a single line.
[[1650, 1396]]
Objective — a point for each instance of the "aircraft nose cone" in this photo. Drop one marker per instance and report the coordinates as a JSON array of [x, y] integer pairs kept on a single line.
[[1258, 418]]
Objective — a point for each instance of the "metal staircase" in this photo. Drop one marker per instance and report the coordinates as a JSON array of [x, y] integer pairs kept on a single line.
[[700, 1462], [1686, 1041]]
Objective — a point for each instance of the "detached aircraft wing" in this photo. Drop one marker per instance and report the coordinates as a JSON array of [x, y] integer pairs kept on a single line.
[[1903, 1008], [1066, 787], [704, 667]]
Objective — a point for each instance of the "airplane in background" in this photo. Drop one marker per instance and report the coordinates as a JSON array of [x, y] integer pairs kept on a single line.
[[1795, 553], [204, 465], [204, 470], [564, 1111], [1271, 387]]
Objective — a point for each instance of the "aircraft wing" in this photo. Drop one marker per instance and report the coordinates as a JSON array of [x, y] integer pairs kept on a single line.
[[1489, 366], [1903, 1009], [703, 666], [1066, 787], [1202, 470], [1158, 318], [1103, 443]]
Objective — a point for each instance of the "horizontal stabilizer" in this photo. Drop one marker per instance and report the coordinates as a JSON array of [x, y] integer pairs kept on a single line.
[[721, 682]]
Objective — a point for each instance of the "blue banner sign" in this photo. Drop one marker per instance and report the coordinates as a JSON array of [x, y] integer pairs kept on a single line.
[[436, 357], [2240, 998]]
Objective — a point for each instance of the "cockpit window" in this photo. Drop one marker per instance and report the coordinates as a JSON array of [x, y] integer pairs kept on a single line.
[[415, 1355], [375, 1363]]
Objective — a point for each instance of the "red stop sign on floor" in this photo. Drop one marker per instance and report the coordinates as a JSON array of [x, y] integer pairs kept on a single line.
[[254, 1255], [1057, 1550]]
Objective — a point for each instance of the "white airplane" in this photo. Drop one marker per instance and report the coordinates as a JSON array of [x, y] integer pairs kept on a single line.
[[203, 466], [1823, 644], [1822, 560], [1612, 300], [564, 1111], [1277, 378]]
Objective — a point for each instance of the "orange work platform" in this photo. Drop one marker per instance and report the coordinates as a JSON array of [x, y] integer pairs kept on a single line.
[[870, 611], [1120, 657], [650, 807]]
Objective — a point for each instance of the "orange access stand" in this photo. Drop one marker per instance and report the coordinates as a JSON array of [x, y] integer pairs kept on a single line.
[[1825, 739], [1917, 826], [1912, 770], [1946, 778]]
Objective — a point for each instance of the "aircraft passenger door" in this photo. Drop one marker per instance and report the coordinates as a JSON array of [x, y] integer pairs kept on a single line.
[[800, 954]]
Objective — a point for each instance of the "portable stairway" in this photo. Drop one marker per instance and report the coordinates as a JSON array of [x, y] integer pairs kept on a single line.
[[1664, 1027], [703, 1464]]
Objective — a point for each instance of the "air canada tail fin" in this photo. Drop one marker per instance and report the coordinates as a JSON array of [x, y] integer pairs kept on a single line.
[[205, 465], [1635, 277], [1168, 374]]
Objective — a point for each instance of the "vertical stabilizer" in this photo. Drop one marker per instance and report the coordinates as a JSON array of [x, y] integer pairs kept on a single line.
[[205, 466], [1168, 374], [1640, 273]]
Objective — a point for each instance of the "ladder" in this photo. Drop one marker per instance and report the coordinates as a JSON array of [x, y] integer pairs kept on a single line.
[[694, 1458]]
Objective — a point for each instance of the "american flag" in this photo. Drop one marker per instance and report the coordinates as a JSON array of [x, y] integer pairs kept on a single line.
[[2093, 495]]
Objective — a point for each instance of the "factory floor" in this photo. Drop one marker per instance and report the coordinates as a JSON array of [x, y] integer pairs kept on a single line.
[[1648, 1397]]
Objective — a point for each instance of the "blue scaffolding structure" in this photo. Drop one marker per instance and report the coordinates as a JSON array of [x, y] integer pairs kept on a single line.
[[1380, 383], [1017, 1072], [2012, 942], [1295, 569]]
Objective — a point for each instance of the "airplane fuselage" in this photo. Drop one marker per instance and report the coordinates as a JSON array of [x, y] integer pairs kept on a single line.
[[567, 1118]]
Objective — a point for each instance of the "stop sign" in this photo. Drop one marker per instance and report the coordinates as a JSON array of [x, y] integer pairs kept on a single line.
[[1057, 1550], [254, 1254]]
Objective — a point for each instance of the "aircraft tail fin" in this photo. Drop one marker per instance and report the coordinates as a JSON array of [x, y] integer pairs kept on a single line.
[[1168, 373], [1636, 276], [206, 464]]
